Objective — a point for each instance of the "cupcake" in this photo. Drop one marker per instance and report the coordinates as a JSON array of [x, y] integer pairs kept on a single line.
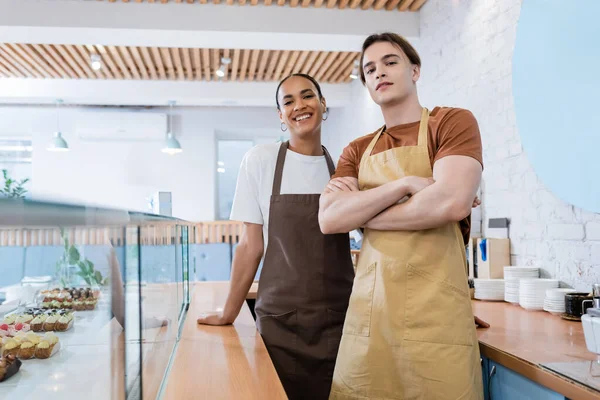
[[42, 350], [62, 324], [56, 304], [46, 304], [68, 304], [78, 305], [11, 348], [37, 325], [26, 351], [9, 319], [32, 337], [51, 338], [50, 323]]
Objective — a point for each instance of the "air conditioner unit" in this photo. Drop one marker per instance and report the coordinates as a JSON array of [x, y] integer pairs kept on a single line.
[[120, 126]]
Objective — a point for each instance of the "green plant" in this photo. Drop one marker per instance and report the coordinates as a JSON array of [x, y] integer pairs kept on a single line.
[[72, 257], [13, 188]]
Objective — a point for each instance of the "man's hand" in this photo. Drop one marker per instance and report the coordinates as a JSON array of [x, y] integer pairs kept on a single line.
[[343, 184], [215, 318], [415, 183], [481, 323]]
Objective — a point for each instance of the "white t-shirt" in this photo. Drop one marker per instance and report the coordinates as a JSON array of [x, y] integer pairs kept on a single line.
[[301, 175]]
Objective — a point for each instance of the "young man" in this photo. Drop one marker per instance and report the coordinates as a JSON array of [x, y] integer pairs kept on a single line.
[[409, 331]]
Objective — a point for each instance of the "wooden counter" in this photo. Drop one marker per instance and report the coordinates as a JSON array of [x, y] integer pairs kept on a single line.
[[225, 362], [523, 340]]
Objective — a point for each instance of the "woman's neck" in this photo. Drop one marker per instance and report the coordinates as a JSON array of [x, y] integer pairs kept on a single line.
[[309, 146]]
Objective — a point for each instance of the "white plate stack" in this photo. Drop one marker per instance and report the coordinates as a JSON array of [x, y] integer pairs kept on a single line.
[[489, 289], [512, 275], [554, 302], [532, 292]]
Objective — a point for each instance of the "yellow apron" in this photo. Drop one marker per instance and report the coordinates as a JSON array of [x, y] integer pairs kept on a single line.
[[409, 331]]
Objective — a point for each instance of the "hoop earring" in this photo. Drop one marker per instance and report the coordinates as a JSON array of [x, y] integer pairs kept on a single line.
[[325, 115], [282, 126]]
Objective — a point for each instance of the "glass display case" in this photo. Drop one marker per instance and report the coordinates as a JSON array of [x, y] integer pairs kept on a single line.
[[92, 300]]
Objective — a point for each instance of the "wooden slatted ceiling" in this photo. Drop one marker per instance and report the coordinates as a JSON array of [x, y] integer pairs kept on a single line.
[[152, 63], [390, 5]]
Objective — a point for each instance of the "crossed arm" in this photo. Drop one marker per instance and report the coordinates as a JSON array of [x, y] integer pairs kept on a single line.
[[448, 197]]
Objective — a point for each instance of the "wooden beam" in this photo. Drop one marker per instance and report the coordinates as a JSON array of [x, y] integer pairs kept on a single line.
[[291, 62], [139, 62], [404, 4], [107, 58], [272, 64], [367, 4], [148, 62], [85, 58], [253, 2], [119, 61], [226, 55], [215, 62], [294, 3], [416, 6], [300, 62], [125, 52], [285, 55], [230, 2], [318, 3], [281, 2], [306, 3], [18, 61], [187, 63], [235, 64], [34, 59], [345, 69], [176, 57], [335, 66], [354, 4], [262, 66], [317, 64], [59, 62], [379, 4], [343, 4], [105, 70], [4, 71], [331, 3], [69, 59], [160, 67], [166, 58], [12, 68], [85, 65], [196, 62], [326, 64], [206, 64], [268, 2], [244, 69], [392, 5], [254, 57]]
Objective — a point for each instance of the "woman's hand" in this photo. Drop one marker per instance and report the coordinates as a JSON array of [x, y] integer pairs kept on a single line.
[[214, 318]]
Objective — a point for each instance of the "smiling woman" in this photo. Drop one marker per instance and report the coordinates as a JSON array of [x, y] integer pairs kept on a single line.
[[307, 276]]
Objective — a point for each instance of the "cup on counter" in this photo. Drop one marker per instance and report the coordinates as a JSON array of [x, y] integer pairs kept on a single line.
[[577, 303]]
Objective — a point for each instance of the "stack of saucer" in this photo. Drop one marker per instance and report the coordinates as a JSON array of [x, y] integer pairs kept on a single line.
[[512, 275], [532, 292], [554, 302], [489, 289]]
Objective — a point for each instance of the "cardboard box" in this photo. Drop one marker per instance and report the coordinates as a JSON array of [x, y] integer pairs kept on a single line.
[[497, 256]]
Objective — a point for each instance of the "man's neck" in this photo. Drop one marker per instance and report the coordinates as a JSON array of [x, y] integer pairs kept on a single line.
[[309, 147], [403, 112]]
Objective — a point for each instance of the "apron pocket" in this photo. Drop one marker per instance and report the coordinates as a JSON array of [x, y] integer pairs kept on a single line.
[[436, 311], [358, 318], [279, 333], [335, 325]]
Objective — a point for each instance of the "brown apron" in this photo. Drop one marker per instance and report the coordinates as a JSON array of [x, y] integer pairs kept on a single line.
[[409, 332], [303, 291]]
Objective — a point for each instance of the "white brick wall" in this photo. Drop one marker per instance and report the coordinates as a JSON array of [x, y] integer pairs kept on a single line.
[[466, 47]]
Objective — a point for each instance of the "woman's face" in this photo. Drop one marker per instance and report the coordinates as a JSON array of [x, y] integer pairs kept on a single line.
[[300, 107]]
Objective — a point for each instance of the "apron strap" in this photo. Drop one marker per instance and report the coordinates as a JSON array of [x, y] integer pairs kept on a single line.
[[279, 168], [330, 164], [422, 142], [281, 161], [371, 145]]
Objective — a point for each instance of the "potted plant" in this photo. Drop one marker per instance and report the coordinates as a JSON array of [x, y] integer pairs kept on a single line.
[[71, 264], [13, 189]]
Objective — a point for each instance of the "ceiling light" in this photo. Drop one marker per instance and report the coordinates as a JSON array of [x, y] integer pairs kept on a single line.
[[58, 143], [224, 62], [96, 62], [355, 73], [172, 145]]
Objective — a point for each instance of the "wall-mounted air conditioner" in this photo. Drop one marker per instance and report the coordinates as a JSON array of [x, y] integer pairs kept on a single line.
[[120, 126]]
